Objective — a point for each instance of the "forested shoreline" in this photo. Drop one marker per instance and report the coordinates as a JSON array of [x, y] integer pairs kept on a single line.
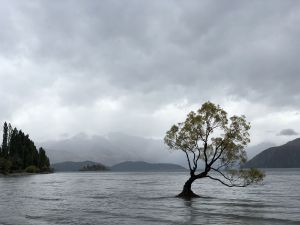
[[18, 153]]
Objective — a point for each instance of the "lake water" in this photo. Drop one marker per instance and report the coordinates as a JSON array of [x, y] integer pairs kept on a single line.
[[146, 198]]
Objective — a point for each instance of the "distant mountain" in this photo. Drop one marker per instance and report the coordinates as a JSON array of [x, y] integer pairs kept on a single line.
[[111, 149], [144, 166], [256, 149], [284, 156], [70, 166]]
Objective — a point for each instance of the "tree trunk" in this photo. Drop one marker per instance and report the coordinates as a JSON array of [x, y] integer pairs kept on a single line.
[[187, 189]]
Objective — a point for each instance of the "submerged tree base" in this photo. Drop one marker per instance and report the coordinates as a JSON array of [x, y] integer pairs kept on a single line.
[[187, 194]]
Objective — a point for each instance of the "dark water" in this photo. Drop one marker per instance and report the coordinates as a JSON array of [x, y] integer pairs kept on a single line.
[[145, 198]]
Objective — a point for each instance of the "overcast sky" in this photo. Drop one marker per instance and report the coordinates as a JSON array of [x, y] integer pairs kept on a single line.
[[138, 67]]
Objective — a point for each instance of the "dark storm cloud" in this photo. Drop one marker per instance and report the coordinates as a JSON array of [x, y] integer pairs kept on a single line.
[[288, 132], [143, 55]]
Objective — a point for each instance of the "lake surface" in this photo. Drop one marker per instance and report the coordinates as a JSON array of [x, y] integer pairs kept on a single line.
[[146, 198]]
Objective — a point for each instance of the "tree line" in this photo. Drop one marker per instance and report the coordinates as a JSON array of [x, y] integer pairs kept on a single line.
[[18, 153]]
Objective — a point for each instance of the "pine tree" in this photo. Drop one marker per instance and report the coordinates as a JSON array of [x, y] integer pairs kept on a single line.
[[44, 163], [19, 152], [10, 130], [4, 142], [15, 150]]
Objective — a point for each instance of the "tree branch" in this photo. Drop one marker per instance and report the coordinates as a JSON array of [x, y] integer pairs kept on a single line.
[[223, 165], [213, 161], [188, 159], [216, 150], [194, 158], [223, 175], [205, 155], [199, 152], [222, 182]]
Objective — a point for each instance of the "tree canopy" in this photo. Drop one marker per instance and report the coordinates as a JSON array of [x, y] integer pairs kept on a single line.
[[18, 152], [219, 142]]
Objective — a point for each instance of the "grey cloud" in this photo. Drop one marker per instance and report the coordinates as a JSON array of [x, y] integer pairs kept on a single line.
[[288, 132], [202, 44], [147, 54]]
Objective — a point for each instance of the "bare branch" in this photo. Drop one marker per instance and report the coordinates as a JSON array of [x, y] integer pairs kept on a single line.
[[188, 159], [216, 150], [223, 165], [199, 153], [205, 155], [194, 158], [223, 175], [219, 155], [228, 185]]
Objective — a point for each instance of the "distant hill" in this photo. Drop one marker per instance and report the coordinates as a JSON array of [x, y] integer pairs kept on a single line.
[[284, 156], [70, 166], [144, 166], [256, 149]]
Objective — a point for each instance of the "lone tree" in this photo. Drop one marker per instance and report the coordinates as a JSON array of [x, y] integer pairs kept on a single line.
[[209, 136]]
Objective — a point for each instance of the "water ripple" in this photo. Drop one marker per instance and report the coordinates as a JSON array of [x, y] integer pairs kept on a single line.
[[145, 198]]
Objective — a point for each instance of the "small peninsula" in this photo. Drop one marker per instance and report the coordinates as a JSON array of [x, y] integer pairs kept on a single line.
[[18, 153]]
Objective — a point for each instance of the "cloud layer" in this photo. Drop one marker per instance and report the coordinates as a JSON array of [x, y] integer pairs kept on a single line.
[[288, 132], [140, 66]]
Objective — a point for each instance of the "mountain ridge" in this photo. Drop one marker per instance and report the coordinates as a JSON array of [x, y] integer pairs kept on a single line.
[[126, 166], [283, 156]]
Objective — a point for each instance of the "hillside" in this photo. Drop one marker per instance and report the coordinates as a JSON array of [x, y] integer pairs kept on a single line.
[[144, 166], [284, 156], [258, 148]]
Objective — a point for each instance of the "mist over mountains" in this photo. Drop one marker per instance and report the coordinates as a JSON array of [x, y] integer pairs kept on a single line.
[[111, 149], [119, 147]]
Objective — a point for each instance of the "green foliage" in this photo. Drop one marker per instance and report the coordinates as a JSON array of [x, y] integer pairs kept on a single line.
[[21, 152], [32, 169], [252, 175], [209, 135], [43, 160], [94, 167], [5, 166]]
